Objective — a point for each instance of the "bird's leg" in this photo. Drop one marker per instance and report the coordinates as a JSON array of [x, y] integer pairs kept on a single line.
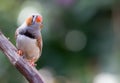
[[20, 52], [32, 62]]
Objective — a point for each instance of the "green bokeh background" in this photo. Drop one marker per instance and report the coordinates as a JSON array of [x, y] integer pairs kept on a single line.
[[91, 18]]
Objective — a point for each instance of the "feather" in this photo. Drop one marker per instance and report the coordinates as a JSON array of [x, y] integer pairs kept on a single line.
[[39, 42]]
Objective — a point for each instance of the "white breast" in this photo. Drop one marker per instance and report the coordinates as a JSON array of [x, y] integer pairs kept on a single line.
[[28, 46]]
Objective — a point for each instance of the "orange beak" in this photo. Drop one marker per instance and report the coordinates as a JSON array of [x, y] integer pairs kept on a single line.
[[38, 19]]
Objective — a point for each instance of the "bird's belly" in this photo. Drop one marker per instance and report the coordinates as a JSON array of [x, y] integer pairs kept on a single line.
[[28, 46]]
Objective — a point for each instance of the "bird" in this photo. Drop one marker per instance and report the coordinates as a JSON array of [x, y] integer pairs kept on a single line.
[[29, 39]]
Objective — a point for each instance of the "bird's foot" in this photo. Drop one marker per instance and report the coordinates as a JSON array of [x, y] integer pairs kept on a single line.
[[32, 63], [20, 52]]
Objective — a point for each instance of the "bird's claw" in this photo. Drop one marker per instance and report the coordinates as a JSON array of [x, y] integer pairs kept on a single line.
[[20, 52], [32, 63]]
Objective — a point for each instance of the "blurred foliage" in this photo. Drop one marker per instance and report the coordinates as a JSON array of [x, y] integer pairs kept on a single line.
[[67, 62]]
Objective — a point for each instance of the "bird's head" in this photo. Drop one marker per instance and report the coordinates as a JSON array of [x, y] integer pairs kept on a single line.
[[34, 20]]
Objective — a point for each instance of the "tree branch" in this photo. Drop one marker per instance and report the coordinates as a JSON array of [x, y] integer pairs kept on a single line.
[[29, 72]]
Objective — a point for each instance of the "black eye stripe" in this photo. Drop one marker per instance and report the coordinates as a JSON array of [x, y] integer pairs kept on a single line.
[[32, 18]]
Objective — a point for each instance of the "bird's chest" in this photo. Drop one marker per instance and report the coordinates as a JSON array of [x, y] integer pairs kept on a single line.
[[28, 46]]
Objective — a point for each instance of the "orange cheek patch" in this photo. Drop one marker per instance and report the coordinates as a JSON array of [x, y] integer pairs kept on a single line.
[[29, 21], [39, 19]]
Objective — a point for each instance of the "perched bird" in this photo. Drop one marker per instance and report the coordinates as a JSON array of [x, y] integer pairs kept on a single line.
[[29, 39]]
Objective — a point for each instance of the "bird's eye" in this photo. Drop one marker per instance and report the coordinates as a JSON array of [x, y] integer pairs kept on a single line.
[[33, 16]]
